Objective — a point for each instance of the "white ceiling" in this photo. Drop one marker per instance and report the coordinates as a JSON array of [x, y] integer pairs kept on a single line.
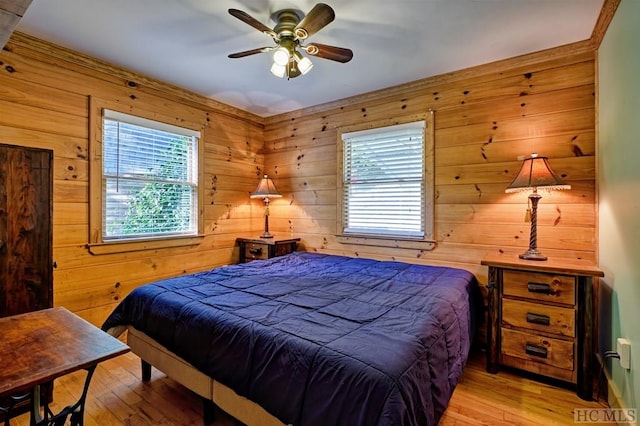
[[186, 42]]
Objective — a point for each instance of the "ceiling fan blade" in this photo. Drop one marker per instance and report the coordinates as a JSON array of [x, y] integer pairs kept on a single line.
[[339, 54], [250, 52], [248, 19], [317, 18]]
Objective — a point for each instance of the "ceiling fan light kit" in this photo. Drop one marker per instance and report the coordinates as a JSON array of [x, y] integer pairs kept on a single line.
[[291, 30], [304, 63]]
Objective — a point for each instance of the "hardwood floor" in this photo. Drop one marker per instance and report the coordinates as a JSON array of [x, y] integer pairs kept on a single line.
[[117, 396], [509, 399]]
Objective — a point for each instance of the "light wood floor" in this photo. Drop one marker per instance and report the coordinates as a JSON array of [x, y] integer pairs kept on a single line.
[[117, 396]]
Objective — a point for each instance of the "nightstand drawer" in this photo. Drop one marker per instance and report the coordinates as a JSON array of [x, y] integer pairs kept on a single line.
[[254, 251], [540, 286], [262, 249], [531, 347], [534, 316]]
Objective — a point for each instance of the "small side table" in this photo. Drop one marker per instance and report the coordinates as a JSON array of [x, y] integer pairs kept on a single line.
[[265, 248], [541, 318]]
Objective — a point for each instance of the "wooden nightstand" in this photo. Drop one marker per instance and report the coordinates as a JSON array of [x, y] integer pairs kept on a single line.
[[541, 318], [262, 248]]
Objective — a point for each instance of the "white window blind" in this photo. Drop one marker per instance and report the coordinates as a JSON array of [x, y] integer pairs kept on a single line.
[[150, 178], [383, 181]]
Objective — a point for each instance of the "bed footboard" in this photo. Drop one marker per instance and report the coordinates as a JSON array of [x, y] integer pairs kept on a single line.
[[153, 354]]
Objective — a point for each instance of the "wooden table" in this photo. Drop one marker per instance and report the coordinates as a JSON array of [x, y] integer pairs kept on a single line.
[[39, 346]]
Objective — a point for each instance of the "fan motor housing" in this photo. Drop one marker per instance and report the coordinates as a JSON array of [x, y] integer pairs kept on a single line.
[[286, 20]]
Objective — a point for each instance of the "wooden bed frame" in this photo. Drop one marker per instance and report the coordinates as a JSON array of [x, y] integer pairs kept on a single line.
[[154, 354]]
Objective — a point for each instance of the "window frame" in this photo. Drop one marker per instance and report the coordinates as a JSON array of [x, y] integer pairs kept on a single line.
[[427, 241], [98, 245]]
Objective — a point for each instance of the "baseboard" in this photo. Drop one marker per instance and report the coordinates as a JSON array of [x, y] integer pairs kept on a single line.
[[614, 398]]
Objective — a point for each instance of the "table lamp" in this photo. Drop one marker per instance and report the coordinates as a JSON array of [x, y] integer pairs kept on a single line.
[[535, 173], [266, 189]]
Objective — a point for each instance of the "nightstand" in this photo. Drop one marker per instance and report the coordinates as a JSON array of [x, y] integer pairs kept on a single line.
[[541, 318], [263, 248]]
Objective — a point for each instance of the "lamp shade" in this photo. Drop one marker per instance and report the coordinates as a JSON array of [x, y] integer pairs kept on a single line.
[[304, 64], [266, 189], [278, 70], [534, 173]]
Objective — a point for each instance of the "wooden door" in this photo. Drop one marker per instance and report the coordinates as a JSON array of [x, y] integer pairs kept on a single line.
[[26, 276], [25, 230]]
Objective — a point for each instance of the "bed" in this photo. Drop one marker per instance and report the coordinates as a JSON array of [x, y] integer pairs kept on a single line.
[[310, 339]]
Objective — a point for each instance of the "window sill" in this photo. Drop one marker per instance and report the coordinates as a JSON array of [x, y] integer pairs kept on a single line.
[[129, 246], [385, 241]]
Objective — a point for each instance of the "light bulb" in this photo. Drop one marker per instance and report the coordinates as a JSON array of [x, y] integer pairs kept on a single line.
[[281, 56]]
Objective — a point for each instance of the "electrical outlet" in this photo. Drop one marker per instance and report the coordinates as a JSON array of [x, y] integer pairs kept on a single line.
[[624, 350]]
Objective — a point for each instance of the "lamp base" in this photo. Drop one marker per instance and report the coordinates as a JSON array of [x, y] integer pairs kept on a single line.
[[532, 255], [266, 235]]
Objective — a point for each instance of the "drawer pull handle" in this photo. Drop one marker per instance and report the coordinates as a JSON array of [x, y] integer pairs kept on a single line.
[[256, 251], [535, 350], [538, 318], [539, 288]]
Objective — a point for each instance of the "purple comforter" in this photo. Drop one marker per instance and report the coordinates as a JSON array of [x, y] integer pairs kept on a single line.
[[318, 339]]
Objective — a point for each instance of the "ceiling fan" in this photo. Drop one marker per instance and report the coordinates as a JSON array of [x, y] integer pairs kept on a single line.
[[290, 32]]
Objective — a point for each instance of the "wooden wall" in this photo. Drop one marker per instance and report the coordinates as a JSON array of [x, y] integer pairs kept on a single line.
[[485, 119], [44, 103]]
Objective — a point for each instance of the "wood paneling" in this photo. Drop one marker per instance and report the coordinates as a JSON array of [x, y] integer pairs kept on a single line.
[[486, 120], [33, 58], [44, 103]]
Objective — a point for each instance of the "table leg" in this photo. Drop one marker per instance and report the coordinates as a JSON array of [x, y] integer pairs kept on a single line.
[[146, 370], [36, 416], [75, 412], [13, 400]]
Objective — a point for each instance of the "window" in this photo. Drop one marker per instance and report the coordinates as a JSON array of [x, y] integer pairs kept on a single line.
[[150, 178], [386, 182], [144, 180]]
